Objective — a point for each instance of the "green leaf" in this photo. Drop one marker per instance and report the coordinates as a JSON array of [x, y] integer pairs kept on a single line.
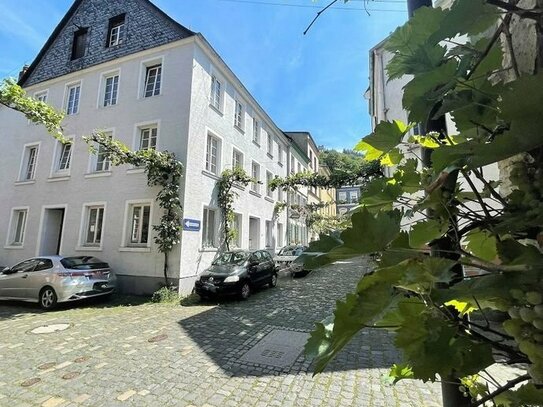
[[371, 233], [481, 244], [463, 308], [385, 137], [513, 252], [525, 395], [324, 244], [400, 372], [408, 177], [424, 232], [380, 194]]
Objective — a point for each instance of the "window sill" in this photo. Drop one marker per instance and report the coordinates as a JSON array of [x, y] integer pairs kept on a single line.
[[29, 182], [269, 155], [256, 143], [208, 250], [239, 129], [88, 249], [238, 186], [135, 249], [58, 178], [255, 194], [267, 198], [101, 106], [143, 97], [98, 174], [211, 175], [135, 170], [218, 111], [71, 114], [10, 247]]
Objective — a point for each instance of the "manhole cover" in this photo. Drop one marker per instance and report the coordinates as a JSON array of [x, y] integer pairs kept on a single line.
[[48, 329], [279, 348]]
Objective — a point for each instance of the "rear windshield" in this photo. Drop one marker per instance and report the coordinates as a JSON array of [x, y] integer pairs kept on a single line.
[[291, 251], [237, 258], [83, 263]]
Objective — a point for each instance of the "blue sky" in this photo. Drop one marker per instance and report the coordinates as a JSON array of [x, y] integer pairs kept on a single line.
[[314, 82]]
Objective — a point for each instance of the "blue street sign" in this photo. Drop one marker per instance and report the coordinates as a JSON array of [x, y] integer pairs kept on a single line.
[[191, 225]]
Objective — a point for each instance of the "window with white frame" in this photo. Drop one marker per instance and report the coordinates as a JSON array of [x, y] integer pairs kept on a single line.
[[299, 167], [18, 227], [280, 194], [256, 131], [292, 164], [64, 156], [310, 158], [239, 116], [213, 150], [342, 197], [147, 137], [140, 221], [269, 178], [216, 93], [255, 174], [111, 90], [236, 227], [153, 79], [269, 234], [73, 94], [279, 154], [94, 223], [354, 196], [41, 96], [116, 30], [102, 161], [270, 144], [209, 228], [237, 159], [30, 159], [279, 235]]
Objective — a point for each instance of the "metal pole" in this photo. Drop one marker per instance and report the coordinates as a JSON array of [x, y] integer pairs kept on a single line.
[[450, 392]]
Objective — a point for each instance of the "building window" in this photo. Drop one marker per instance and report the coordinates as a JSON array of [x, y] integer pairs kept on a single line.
[[280, 194], [354, 197], [72, 102], [342, 197], [209, 230], [148, 138], [255, 174], [41, 96], [237, 159], [18, 226], [239, 116], [256, 131], [94, 224], [270, 144], [236, 227], [269, 237], [79, 44], [65, 156], [279, 154], [153, 76], [140, 219], [116, 31], [315, 167], [269, 178], [279, 235], [30, 159], [103, 161], [292, 164], [111, 90], [212, 154], [299, 167], [216, 93]]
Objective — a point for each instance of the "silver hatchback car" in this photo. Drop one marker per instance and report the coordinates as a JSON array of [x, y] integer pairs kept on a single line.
[[49, 280]]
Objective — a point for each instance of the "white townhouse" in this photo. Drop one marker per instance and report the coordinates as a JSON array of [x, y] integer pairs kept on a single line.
[[125, 67]]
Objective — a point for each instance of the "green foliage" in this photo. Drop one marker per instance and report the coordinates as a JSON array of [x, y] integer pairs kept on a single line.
[[452, 212], [166, 295], [230, 178], [14, 97]]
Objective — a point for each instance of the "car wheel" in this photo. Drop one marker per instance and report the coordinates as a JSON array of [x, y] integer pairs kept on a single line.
[[48, 298], [245, 291], [273, 281]]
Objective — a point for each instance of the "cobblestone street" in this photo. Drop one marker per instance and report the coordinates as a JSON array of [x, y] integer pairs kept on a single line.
[[162, 355]]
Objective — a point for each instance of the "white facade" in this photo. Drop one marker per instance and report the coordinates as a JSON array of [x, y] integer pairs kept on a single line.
[[69, 202]]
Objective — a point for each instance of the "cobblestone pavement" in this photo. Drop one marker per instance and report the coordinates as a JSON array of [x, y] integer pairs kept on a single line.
[[161, 355]]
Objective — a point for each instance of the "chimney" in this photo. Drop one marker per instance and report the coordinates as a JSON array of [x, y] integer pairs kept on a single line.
[[23, 71]]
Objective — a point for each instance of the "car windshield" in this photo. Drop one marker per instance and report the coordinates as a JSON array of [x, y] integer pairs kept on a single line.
[[236, 258], [291, 251], [83, 263]]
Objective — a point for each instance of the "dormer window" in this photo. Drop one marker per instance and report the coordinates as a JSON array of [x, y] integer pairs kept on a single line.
[[115, 33], [79, 45]]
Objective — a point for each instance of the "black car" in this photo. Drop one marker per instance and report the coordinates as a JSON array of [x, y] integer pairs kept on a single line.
[[237, 273]]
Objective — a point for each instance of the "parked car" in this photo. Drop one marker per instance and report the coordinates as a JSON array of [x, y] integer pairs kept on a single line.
[[237, 273], [287, 255], [49, 280], [298, 266]]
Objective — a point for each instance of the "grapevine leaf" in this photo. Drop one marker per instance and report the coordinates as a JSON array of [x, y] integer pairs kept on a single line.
[[463, 308], [385, 137], [512, 252], [424, 232], [525, 395], [380, 194], [400, 372], [482, 244]]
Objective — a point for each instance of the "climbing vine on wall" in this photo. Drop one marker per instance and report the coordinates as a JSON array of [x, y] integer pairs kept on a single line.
[[230, 178], [163, 170]]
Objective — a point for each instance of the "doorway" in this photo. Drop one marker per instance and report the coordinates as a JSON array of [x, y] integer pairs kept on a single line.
[[52, 228], [254, 233]]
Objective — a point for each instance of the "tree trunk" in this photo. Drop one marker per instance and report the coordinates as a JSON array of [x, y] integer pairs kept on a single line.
[[166, 268]]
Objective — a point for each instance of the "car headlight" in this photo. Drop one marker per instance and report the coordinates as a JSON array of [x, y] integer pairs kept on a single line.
[[231, 279]]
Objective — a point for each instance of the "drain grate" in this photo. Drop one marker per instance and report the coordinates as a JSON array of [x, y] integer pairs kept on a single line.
[[279, 348], [48, 329]]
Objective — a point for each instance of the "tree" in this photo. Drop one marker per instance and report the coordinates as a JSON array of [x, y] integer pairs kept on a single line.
[[429, 306]]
